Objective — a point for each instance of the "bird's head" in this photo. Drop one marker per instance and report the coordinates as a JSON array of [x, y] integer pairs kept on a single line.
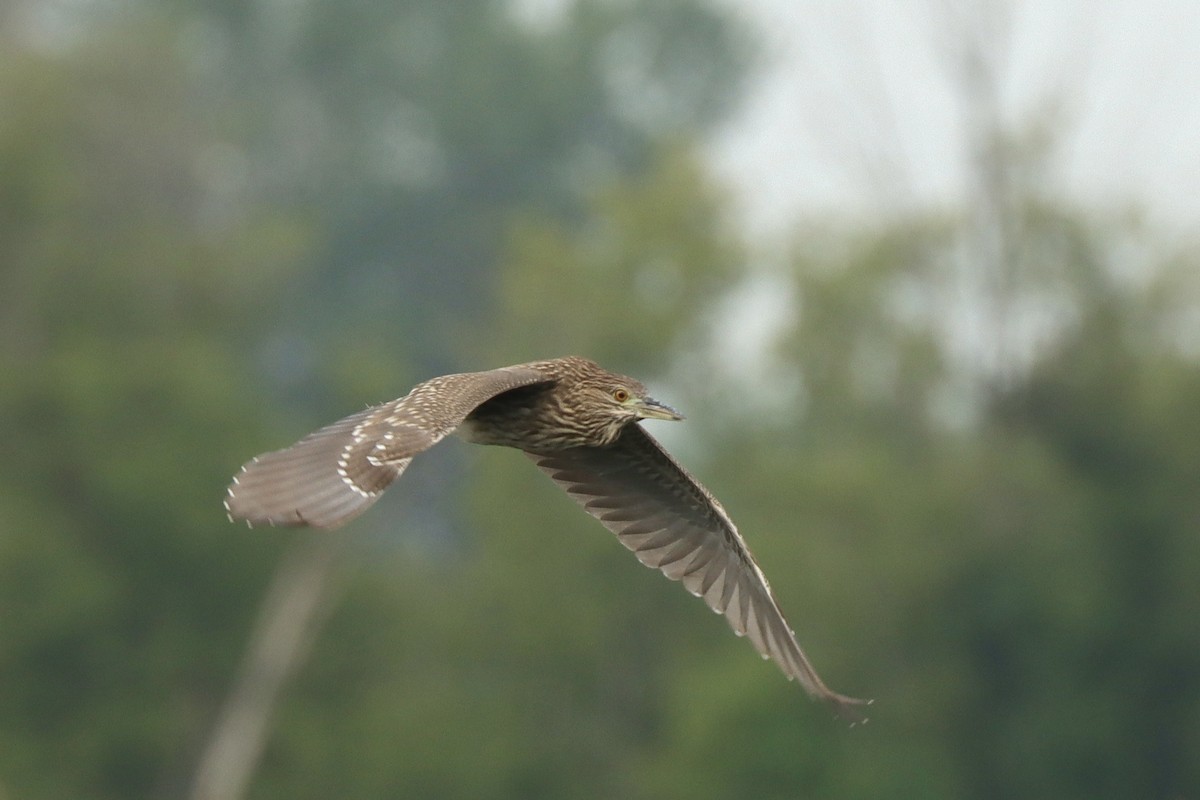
[[629, 401], [613, 401]]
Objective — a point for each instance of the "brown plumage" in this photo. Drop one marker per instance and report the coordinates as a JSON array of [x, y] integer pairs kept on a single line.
[[578, 422]]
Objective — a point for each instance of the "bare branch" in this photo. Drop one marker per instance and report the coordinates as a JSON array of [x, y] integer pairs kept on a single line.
[[295, 605]]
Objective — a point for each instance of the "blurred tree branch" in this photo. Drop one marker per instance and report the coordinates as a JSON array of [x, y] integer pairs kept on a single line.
[[296, 604]]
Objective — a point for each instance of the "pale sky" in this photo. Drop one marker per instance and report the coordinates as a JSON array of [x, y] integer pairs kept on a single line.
[[859, 107]]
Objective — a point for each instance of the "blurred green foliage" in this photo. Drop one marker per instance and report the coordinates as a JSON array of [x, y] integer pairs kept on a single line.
[[222, 224]]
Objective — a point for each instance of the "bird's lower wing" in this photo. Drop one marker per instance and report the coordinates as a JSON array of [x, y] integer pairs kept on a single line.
[[673, 524], [333, 475]]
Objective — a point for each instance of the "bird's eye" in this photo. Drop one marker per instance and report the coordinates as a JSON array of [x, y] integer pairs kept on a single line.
[[620, 395]]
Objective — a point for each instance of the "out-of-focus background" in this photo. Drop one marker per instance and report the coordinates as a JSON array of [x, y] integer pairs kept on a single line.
[[924, 278]]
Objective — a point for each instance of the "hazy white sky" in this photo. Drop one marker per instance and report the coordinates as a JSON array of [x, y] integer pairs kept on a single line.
[[860, 105]]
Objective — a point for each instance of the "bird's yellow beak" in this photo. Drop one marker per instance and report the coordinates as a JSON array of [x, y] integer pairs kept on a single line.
[[652, 409]]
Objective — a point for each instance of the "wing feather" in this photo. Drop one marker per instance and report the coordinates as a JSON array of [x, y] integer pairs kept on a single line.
[[334, 474], [673, 524]]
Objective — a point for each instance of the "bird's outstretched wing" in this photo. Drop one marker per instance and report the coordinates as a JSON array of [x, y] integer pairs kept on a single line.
[[673, 524], [333, 475]]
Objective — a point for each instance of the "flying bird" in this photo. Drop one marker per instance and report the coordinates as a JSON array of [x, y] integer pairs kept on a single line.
[[578, 422]]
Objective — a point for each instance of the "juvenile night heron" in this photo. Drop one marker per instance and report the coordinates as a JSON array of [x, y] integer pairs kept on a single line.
[[579, 424]]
